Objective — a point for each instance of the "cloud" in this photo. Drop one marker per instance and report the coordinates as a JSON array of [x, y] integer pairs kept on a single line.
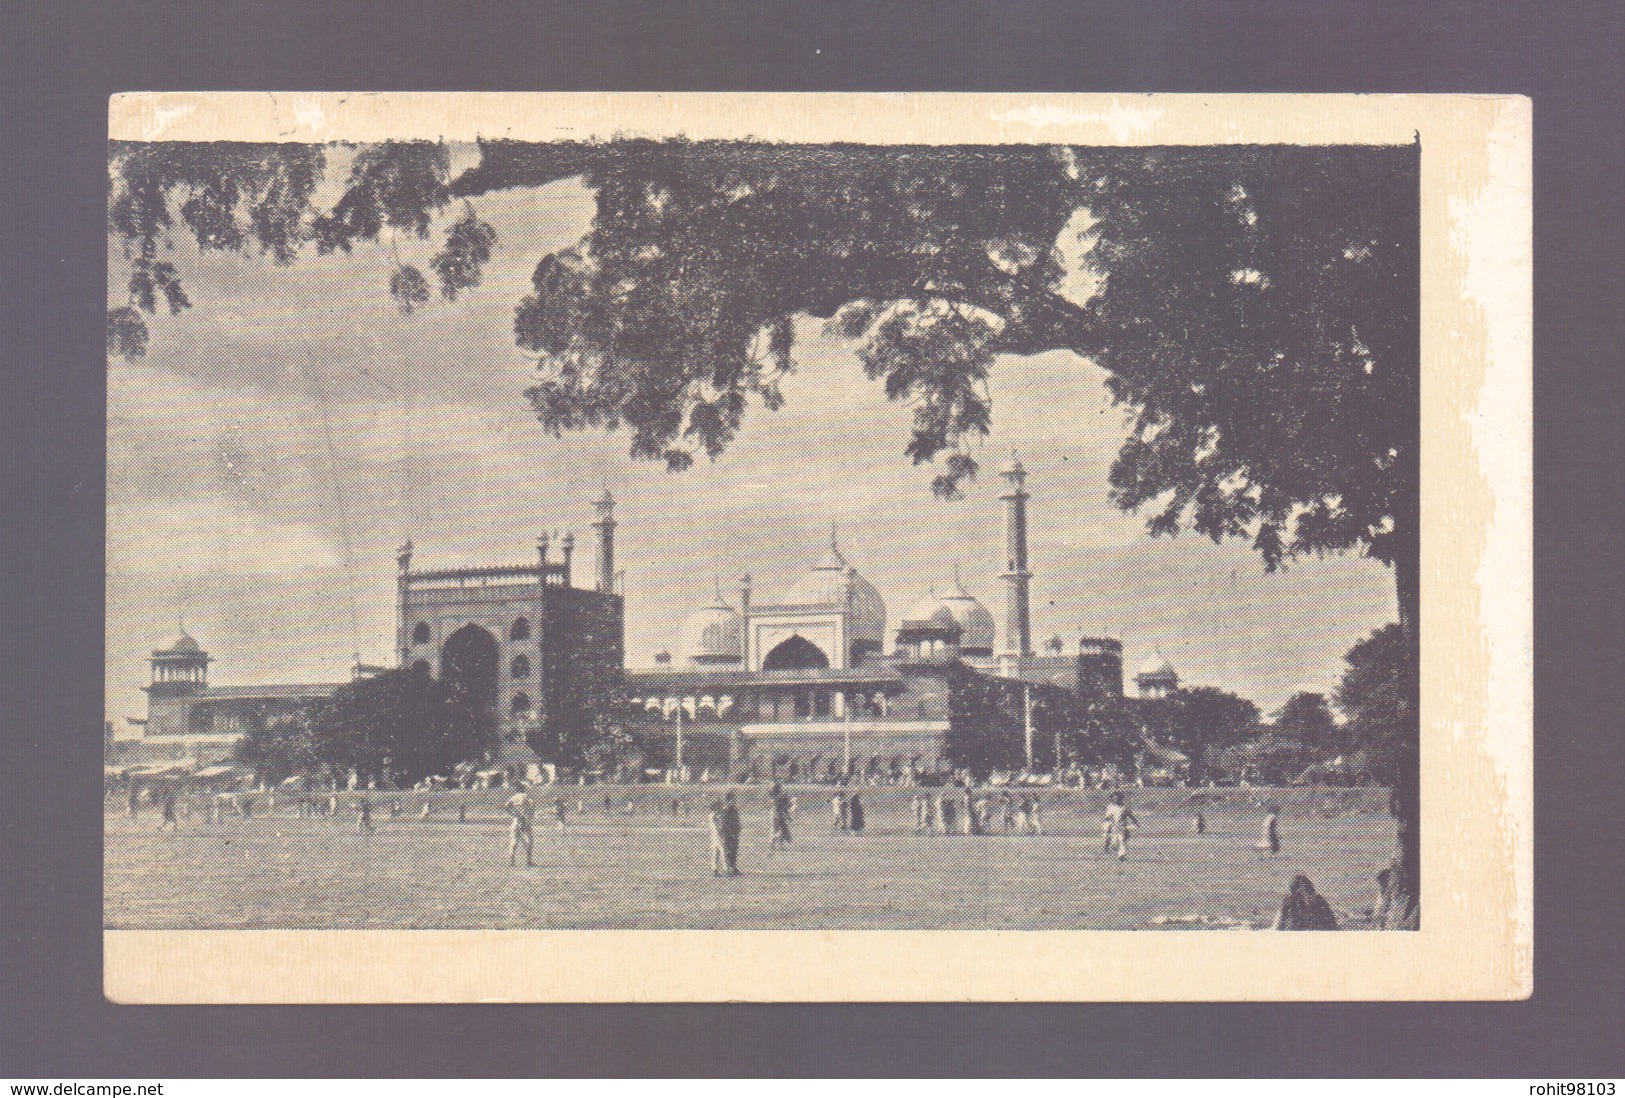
[[193, 538]]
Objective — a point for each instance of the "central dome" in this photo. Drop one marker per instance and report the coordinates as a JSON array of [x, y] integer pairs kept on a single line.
[[833, 582]]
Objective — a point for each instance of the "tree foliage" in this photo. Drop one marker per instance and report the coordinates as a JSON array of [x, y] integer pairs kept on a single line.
[[280, 745], [1307, 718], [1254, 307], [1197, 720], [1377, 695], [401, 726]]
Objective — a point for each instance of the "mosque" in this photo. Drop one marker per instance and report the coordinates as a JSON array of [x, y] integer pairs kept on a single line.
[[801, 684]]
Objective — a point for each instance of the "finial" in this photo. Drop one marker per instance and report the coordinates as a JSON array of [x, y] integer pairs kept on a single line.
[[569, 540], [716, 579], [834, 536]]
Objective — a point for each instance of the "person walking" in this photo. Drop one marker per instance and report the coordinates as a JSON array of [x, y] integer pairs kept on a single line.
[[363, 818], [781, 818], [854, 810], [1119, 819], [1269, 840], [521, 829], [1024, 808], [169, 821], [725, 831]]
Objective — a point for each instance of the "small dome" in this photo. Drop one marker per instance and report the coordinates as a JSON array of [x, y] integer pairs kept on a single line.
[[1157, 667], [833, 582], [976, 627], [184, 645], [929, 610], [713, 634]]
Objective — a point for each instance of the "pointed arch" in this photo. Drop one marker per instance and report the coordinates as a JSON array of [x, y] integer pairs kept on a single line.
[[469, 665], [795, 653]]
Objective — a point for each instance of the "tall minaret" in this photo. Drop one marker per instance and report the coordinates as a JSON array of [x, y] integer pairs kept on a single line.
[[1018, 628], [403, 577], [604, 530]]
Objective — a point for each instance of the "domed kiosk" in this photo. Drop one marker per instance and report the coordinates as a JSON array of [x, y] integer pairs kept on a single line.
[[1156, 677]]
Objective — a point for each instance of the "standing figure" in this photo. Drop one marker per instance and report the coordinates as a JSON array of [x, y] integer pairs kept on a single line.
[[725, 829], [363, 817], [169, 822], [947, 811], [1119, 819], [1269, 841], [1024, 808], [781, 818], [854, 811], [1035, 816], [922, 813], [1304, 909], [521, 831], [1007, 811], [132, 804], [558, 813], [462, 813], [837, 811], [423, 813], [1200, 822]]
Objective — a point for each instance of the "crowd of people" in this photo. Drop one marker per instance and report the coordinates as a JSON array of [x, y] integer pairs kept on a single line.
[[959, 809]]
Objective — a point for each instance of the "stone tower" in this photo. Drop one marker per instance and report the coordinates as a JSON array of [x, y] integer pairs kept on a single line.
[[1018, 629], [604, 531]]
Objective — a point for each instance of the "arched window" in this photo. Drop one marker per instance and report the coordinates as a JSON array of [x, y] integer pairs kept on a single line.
[[421, 667], [520, 667], [420, 633], [521, 704], [520, 630]]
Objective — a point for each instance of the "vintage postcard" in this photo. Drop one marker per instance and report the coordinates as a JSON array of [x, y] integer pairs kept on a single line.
[[638, 547]]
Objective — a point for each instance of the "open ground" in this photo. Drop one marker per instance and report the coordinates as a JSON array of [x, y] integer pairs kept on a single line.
[[649, 869]]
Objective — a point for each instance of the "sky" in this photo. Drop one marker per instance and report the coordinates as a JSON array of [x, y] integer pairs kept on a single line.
[[283, 436]]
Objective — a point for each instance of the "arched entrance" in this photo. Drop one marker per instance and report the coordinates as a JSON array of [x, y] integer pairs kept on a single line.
[[796, 654], [468, 664]]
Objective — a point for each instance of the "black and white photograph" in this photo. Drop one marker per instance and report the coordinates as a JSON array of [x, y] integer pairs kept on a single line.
[[641, 529]]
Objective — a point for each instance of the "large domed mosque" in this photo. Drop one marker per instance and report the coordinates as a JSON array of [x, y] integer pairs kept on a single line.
[[806, 683]]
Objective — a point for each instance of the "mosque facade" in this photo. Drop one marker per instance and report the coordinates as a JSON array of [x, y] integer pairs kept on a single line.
[[806, 683]]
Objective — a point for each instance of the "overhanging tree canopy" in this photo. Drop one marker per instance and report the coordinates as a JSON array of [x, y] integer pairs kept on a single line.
[[1256, 307]]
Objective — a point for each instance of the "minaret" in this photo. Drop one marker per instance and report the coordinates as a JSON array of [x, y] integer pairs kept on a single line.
[[569, 547], [1018, 629], [403, 578], [604, 531]]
